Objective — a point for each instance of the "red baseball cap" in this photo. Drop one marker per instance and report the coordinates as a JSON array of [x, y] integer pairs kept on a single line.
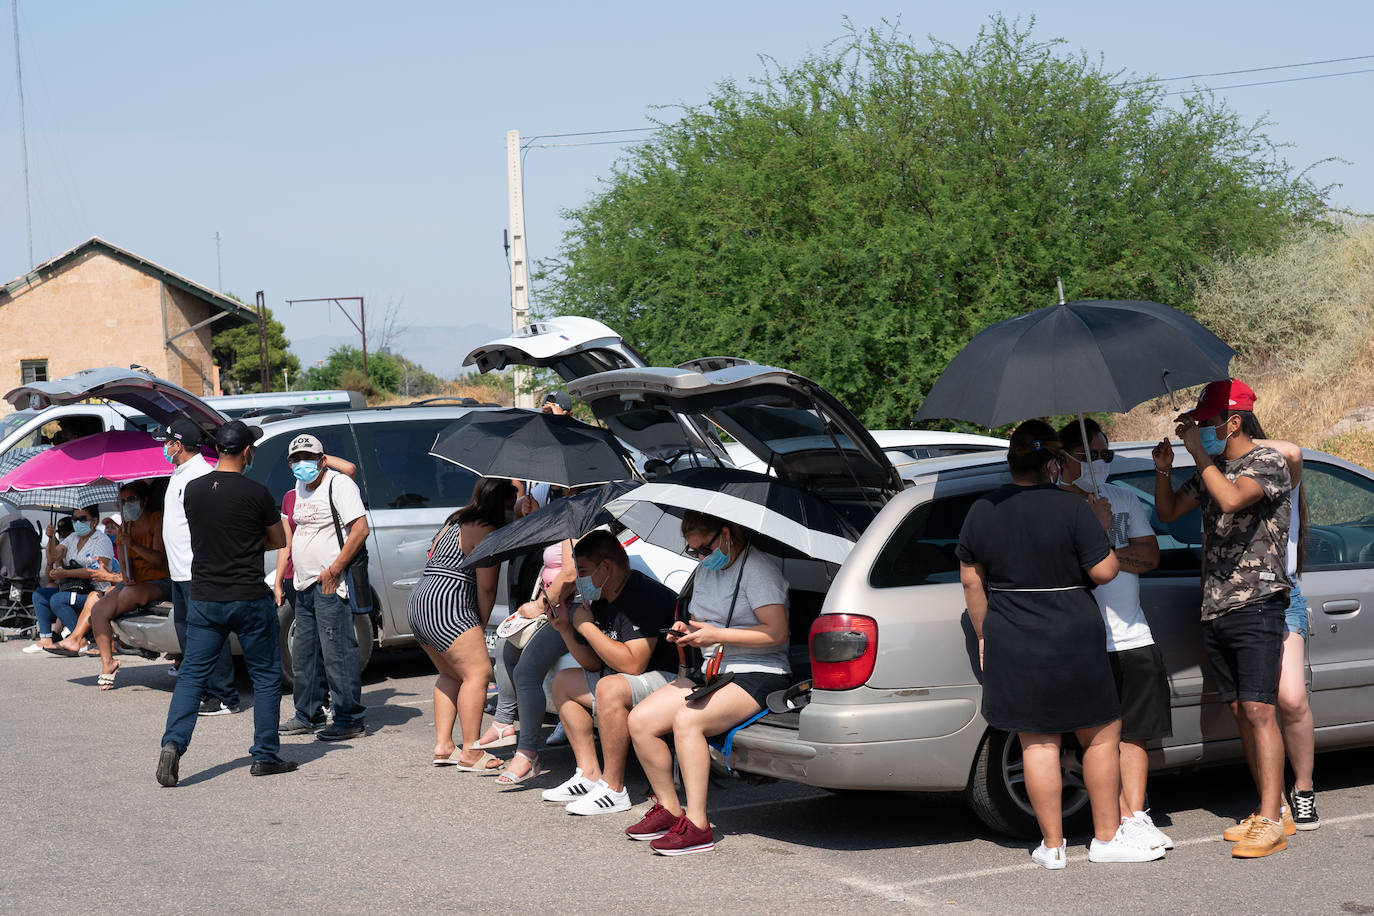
[[1227, 395]]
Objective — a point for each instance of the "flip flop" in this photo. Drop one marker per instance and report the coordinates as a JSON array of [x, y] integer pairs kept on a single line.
[[107, 681], [481, 766], [510, 779], [58, 650], [505, 737]]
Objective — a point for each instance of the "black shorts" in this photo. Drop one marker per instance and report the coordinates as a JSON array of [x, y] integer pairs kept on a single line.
[[758, 684], [1245, 647], [1143, 687]]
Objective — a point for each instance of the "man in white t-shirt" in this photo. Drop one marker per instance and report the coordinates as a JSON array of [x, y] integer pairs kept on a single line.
[[1141, 680], [330, 530], [181, 446]]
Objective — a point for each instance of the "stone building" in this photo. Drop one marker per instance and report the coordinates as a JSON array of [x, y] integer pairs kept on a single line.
[[99, 305]]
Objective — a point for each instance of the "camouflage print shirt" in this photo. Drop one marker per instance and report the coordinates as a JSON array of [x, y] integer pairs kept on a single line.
[[1245, 554]]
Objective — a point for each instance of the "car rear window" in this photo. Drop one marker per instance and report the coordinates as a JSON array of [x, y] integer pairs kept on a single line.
[[921, 550]]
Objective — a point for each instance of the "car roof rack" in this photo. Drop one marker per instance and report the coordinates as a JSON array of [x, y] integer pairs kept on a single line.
[[451, 401], [274, 414]]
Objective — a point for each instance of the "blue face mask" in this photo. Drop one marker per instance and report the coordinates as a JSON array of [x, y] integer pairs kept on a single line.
[[588, 589], [1207, 435], [167, 453], [81, 528], [131, 510], [718, 560], [305, 471]]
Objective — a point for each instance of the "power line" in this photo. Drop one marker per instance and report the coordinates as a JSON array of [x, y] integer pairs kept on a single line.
[[588, 143], [1294, 79], [1194, 76]]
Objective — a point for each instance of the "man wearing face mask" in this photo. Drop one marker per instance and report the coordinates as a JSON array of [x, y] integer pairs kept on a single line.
[[181, 446], [1244, 491], [1142, 683], [324, 620]]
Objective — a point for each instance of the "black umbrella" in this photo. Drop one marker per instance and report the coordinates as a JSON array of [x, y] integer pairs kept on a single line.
[[785, 520], [529, 445], [1076, 358], [570, 517]]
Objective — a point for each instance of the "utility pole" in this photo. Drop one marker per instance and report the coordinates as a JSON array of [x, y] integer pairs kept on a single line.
[[23, 135], [286, 378], [519, 274], [264, 364], [219, 270], [360, 324]]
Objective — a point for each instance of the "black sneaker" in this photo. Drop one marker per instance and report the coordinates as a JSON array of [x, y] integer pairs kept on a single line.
[[337, 732], [272, 767], [296, 727], [169, 765], [213, 707], [1305, 810]]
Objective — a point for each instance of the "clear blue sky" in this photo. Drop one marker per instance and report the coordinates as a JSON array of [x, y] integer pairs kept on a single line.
[[359, 149]]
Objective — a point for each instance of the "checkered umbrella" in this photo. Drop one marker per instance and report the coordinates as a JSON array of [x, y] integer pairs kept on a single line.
[[60, 499]]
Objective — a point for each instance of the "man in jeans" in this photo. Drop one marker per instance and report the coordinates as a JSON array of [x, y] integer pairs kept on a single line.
[[233, 521], [181, 446], [330, 530], [1244, 490]]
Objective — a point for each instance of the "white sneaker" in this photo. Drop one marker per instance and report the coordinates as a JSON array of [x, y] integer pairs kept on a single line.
[[1145, 827], [32, 649], [601, 800], [1049, 858], [576, 787], [1126, 846]]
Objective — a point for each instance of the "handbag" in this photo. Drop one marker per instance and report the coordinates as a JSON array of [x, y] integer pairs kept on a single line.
[[355, 576], [75, 586]]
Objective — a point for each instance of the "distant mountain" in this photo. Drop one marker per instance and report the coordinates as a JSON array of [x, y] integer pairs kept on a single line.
[[440, 349]]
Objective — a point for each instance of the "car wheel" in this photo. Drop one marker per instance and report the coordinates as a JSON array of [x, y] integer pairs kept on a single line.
[[997, 791], [286, 621]]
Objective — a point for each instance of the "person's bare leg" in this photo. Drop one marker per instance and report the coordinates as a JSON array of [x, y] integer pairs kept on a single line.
[[1295, 713], [469, 658], [1268, 742], [1135, 771], [75, 641], [445, 704], [1044, 784], [126, 600], [573, 702], [1102, 776], [649, 722], [613, 700], [717, 714]]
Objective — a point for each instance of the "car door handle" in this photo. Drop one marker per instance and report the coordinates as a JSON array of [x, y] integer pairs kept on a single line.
[[1344, 606], [410, 583]]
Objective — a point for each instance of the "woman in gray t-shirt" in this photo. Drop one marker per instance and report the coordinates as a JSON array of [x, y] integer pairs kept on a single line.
[[737, 617]]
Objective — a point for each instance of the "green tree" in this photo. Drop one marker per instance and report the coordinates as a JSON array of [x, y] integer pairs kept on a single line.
[[386, 372], [236, 350], [859, 216]]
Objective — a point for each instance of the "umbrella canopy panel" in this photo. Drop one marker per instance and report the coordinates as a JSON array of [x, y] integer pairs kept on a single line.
[[114, 456], [1080, 357], [529, 445], [570, 517]]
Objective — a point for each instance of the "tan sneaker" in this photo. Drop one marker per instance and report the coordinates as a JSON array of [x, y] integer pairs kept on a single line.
[[1236, 832], [1263, 837]]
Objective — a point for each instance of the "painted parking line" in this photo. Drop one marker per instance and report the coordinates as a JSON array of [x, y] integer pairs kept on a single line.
[[1083, 857]]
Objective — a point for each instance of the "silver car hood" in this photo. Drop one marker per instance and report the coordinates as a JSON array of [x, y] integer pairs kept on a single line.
[[797, 428], [155, 397]]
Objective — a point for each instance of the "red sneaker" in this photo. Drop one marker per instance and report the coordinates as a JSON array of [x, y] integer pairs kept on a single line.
[[685, 838], [654, 825]]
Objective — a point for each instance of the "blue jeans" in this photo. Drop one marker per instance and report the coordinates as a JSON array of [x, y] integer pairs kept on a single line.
[[208, 625], [325, 635], [221, 682], [525, 671], [50, 602]]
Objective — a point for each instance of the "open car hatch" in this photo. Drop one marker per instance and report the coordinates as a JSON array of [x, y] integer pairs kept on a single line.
[[155, 397]]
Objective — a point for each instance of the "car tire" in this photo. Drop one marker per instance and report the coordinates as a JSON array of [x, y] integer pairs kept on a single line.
[[286, 621], [997, 789]]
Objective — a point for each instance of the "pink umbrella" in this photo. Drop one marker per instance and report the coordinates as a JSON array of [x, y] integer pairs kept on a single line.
[[114, 457]]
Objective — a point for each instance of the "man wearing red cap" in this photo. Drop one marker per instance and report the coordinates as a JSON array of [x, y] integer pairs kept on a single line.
[[1244, 490]]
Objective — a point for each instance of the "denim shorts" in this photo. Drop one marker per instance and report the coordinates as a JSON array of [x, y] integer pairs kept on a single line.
[[1245, 647], [1295, 620]]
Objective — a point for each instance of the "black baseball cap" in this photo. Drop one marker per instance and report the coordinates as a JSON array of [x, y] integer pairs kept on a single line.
[[235, 436], [184, 431], [560, 398]]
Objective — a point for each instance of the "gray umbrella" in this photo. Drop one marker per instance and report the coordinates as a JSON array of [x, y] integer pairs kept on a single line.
[[59, 499]]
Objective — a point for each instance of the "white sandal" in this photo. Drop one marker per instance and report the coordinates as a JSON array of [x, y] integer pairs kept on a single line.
[[507, 778], [505, 737]]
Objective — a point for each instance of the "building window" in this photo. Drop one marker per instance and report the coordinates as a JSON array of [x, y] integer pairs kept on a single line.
[[33, 370]]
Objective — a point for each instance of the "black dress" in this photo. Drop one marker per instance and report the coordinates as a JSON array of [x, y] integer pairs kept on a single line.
[[1045, 665]]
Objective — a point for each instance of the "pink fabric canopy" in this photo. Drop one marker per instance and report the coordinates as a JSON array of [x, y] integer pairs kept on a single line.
[[114, 457]]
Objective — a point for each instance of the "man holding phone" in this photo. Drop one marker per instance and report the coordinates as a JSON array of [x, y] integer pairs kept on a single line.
[[615, 636]]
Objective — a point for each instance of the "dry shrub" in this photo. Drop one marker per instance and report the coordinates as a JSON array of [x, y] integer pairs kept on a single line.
[[1298, 319]]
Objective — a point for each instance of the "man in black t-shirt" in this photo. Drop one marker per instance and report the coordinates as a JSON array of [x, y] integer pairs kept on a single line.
[[615, 635], [233, 521]]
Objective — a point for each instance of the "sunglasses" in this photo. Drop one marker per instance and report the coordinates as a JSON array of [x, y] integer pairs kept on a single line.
[[698, 553], [81, 518], [1105, 454]]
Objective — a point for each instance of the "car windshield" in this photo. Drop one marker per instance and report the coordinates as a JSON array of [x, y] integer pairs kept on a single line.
[[9, 424]]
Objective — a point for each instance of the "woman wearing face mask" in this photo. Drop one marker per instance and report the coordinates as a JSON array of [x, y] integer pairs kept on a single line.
[[448, 611], [146, 578], [85, 545], [1029, 555], [738, 607]]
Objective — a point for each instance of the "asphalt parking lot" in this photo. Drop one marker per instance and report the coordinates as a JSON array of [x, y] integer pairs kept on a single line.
[[371, 827]]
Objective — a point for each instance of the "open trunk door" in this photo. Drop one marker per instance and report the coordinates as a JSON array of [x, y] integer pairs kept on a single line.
[[155, 397]]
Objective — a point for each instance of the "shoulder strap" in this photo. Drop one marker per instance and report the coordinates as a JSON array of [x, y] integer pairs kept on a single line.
[[735, 597], [338, 528]]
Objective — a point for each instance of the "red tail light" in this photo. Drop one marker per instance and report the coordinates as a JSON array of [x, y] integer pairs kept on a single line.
[[844, 648]]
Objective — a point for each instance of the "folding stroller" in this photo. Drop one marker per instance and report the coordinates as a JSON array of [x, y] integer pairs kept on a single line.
[[21, 563]]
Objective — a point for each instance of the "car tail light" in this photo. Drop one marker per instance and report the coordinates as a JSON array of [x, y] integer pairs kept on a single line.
[[844, 648]]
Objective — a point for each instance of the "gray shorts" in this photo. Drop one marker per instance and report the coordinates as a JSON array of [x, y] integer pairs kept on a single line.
[[641, 685]]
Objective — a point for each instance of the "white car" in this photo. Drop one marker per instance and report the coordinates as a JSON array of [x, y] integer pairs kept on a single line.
[[903, 447]]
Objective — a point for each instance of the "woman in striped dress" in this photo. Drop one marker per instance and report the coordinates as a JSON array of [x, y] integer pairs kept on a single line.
[[448, 611]]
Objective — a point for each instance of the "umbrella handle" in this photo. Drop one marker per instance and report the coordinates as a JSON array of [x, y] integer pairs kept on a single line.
[[1164, 377]]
